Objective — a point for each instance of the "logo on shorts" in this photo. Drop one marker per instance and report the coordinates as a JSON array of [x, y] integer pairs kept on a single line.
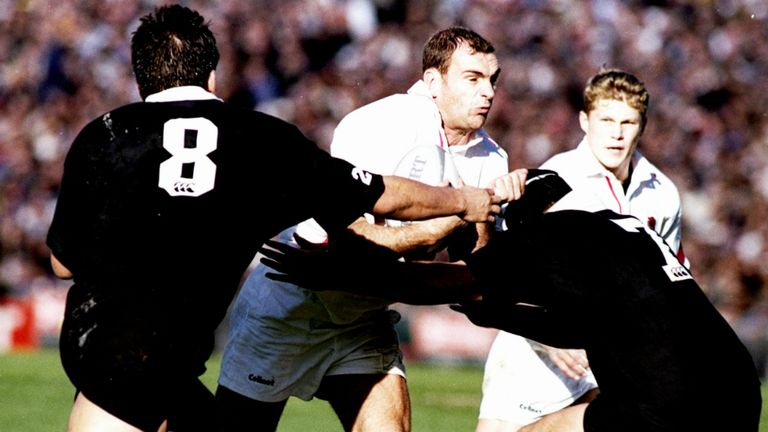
[[530, 409], [261, 380]]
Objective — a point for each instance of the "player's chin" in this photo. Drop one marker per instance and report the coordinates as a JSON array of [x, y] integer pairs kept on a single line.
[[478, 121]]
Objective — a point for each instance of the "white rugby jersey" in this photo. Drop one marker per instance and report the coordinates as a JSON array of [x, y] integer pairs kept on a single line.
[[651, 196], [412, 120], [376, 136]]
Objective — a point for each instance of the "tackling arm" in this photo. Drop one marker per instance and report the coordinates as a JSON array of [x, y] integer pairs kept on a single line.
[[419, 282], [404, 240], [406, 199]]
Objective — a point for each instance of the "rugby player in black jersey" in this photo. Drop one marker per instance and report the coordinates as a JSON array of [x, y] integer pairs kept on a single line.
[[164, 203], [665, 358]]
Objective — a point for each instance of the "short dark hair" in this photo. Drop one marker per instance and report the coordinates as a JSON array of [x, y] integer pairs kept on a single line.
[[441, 46], [172, 47]]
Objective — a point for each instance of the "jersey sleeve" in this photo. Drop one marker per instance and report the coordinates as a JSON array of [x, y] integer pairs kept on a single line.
[[376, 136], [334, 191], [673, 234], [69, 230]]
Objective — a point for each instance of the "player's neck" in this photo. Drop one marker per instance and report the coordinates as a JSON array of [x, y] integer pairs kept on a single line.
[[458, 137]]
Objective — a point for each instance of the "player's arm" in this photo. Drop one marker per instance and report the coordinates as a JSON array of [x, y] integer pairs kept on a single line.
[[406, 199], [405, 239], [508, 187], [418, 282], [59, 269]]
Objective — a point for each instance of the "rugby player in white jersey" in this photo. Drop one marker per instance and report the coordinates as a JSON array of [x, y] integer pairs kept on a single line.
[[525, 380], [288, 341]]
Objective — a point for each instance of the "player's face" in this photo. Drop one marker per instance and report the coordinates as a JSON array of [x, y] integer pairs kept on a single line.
[[465, 93], [613, 129]]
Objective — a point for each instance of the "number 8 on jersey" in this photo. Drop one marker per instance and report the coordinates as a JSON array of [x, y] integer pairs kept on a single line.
[[189, 171]]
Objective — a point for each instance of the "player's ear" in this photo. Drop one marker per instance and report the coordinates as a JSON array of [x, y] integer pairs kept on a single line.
[[212, 82], [584, 121], [433, 79]]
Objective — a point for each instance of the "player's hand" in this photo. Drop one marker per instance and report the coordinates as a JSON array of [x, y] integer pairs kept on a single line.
[[308, 266], [510, 186], [480, 205], [573, 362]]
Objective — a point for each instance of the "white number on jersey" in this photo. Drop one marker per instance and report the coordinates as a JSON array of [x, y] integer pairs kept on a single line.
[[674, 270], [362, 175], [189, 171]]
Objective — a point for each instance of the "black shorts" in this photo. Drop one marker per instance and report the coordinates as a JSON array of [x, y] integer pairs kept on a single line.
[[715, 411], [187, 408], [130, 369]]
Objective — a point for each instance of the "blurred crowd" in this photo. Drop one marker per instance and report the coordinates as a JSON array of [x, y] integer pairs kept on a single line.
[[705, 62]]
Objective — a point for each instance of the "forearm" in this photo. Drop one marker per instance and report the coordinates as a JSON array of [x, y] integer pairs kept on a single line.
[[371, 274], [410, 237], [427, 283], [406, 199]]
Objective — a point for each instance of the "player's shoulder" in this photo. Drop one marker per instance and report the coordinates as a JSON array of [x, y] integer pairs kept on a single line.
[[393, 107], [122, 113], [644, 168], [488, 144], [560, 160]]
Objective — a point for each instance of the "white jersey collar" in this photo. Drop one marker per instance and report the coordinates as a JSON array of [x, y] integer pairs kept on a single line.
[[182, 93], [419, 88]]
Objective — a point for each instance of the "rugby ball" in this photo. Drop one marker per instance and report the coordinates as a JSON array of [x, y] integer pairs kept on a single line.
[[425, 164], [422, 163]]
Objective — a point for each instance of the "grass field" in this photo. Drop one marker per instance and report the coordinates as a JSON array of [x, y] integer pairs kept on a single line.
[[35, 395]]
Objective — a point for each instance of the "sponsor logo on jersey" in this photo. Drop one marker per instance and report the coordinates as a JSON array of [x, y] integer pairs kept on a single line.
[[676, 273], [184, 188], [417, 168]]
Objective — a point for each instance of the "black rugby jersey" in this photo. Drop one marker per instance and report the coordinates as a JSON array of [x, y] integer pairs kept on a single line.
[[663, 356], [163, 205]]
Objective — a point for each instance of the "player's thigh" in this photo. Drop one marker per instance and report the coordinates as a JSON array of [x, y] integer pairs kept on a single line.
[[86, 416], [496, 425], [569, 419], [236, 412], [387, 404], [369, 402]]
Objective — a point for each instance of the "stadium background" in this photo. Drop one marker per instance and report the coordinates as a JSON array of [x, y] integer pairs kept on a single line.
[[310, 62]]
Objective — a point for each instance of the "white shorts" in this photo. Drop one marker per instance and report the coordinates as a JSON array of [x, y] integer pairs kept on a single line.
[[520, 386], [272, 354]]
